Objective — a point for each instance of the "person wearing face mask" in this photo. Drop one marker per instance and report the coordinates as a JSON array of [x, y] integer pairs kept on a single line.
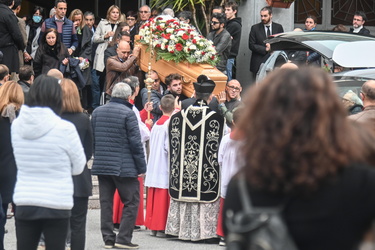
[[33, 28], [51, 54]]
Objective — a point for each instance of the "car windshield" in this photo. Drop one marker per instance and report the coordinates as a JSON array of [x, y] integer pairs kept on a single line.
[[344, 85]]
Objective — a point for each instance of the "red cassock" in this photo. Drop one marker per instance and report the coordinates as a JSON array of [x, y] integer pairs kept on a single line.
[[219, 230], [118, 206], [157, 208]]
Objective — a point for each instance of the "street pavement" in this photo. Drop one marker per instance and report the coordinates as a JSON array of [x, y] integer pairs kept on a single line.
[[94, 239]]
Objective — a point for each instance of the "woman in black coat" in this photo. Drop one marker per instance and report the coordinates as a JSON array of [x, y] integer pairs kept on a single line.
[[304, 155], [50, 54], [72, 111], [11, 99]]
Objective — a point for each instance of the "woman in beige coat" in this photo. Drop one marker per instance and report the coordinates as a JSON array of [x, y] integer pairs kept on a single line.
[[104, 34]]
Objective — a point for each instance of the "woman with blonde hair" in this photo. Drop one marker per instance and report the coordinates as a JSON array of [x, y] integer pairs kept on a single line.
[[304, 155], [11, 99], [104, 34], [76, 16], [72, 111]]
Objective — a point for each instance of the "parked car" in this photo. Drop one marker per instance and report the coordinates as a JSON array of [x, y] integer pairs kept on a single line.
[[323, 43], [352, 80]]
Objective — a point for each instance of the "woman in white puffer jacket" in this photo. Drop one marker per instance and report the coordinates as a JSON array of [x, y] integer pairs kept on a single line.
[[48, 151]]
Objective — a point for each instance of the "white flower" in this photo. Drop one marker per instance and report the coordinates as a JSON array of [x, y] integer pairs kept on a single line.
[[180, 33]]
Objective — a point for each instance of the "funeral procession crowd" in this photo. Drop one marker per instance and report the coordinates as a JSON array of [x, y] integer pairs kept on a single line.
[[72, 93]]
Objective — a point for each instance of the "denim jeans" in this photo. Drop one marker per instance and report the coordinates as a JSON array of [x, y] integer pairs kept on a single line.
[[230, 63], [95, 88]]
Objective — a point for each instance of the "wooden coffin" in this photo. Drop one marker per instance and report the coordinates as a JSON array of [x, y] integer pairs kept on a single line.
[[279, 3], [189, 72]]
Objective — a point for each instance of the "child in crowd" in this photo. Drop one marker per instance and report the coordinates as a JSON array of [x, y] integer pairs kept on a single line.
[[230, 163], [157, 170]]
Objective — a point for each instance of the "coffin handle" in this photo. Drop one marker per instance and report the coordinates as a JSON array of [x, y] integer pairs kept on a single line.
[[184, 81]]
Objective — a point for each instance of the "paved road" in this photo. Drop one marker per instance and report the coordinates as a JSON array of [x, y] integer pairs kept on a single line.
[[94, 239]]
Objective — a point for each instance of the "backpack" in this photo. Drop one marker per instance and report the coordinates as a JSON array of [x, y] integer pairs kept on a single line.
[[256, 228]]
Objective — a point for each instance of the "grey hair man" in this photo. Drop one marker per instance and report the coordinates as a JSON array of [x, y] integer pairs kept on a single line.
[[118, 161], [168, 12]]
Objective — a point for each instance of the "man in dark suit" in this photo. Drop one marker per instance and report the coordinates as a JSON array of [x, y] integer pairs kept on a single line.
[[259, 32], [359, 20]]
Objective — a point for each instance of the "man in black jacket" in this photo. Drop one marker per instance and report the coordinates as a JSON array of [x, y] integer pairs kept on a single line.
[[11, 39], [26, 76], [222, 40], [359, 20], [234, 28], [259, 32]]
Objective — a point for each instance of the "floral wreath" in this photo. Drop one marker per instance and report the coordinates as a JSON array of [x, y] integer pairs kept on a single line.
[[177, 41]]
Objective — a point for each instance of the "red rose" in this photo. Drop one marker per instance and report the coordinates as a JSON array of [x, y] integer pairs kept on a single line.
[[194, 41], [179, 47], [172, 52], [203, 53], [166, 36], [159, 28], [185, 36]]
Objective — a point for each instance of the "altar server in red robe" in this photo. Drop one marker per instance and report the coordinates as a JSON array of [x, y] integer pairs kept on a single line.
[[157, 170]]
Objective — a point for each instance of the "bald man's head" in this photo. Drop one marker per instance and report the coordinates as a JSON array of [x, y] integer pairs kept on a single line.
[[123, 50], [368, 89], [55, 73], [289, 65]]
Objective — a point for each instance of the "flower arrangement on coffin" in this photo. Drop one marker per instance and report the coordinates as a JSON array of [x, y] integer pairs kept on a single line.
[[177, 41]]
